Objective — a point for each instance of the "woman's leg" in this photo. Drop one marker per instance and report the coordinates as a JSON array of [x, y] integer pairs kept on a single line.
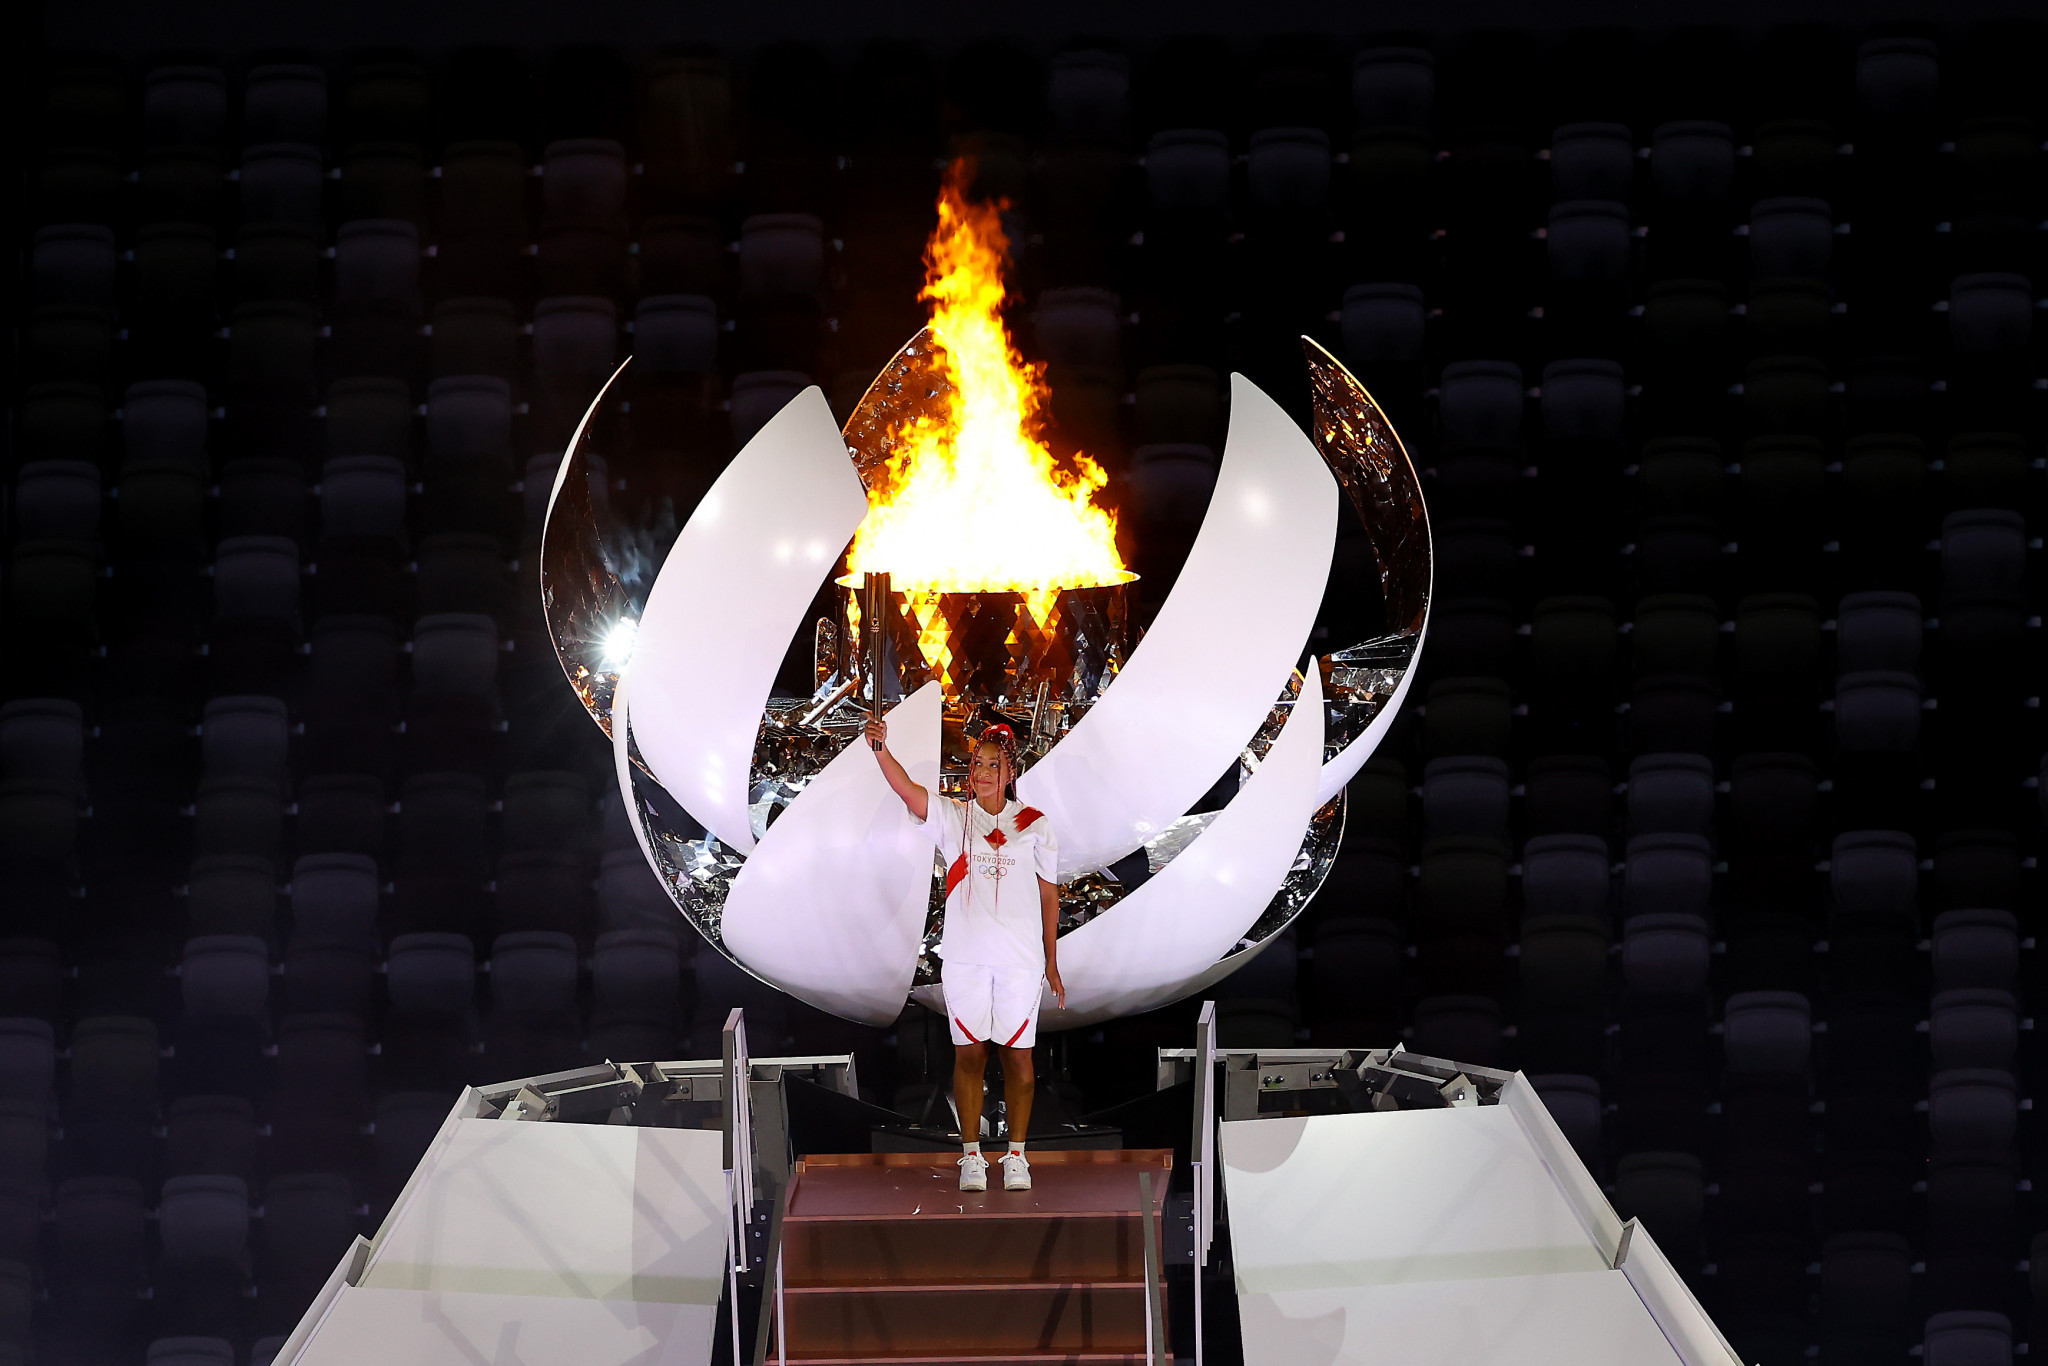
[[1019, 1083], [970, 1068]]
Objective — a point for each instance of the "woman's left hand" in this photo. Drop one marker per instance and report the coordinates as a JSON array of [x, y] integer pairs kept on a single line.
[[1059, 988]]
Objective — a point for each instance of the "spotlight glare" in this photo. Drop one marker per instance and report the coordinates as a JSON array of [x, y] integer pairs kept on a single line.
[[618, 642]]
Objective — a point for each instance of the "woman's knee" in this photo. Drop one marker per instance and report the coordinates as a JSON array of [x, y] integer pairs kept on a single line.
[[1017, 1063], [971, 1056]]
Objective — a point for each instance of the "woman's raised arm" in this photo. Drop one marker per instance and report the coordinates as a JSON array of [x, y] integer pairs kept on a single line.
[[913, 794]]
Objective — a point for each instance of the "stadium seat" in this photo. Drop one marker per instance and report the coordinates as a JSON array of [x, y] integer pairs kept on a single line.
[[1588, 241], [282, 184], [473, 336], [309, 1221], [675, 334], [1465, 796], [203, 1231], [232, 894], [377, 265], [1569, 794], [1591, 161], [1086, 93], [284, 102], [1667, 873], [1878, 631], [1583, 401], [1393, 86], [1458, 1026], [1965, 1337], [1289, 168], [1767, 1032], [1692, 160], [206, 1135], [1790, 237], [1383, 323], [1187, 168], [1670, 794], [1666, 953], [1973, 1027], [1975, 949], [1563, 961], [782, 253], [184, 106]]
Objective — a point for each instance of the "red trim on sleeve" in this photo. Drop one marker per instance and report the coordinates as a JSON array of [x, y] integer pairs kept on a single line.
[[955, 873], [1026, 815], [970, 1033], [1019, 1034]]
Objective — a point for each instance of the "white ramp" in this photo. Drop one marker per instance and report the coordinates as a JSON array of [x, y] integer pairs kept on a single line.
[[1445, 1237], [529, 1242]]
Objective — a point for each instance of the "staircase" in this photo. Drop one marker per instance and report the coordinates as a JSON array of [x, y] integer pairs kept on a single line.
[[886, 1260]]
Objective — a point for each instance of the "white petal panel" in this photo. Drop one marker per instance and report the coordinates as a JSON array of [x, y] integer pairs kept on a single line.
[[831, 906], [1146, 950], [730, 597], [1219, 652]]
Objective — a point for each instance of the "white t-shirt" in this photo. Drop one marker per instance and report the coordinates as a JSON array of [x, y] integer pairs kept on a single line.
[[993, 864]]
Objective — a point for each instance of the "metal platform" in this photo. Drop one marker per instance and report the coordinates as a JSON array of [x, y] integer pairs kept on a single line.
[[608, 1215], [1362, 1208], [1443, 1221], [592, 1243]]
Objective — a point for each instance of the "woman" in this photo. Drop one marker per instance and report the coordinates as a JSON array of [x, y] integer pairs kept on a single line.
[[997, 950]]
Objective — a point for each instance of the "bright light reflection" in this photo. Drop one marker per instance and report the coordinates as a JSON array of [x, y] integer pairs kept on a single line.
[[617, 647]]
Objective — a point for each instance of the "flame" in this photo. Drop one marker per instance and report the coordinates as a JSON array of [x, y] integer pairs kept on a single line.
[[971, 500]]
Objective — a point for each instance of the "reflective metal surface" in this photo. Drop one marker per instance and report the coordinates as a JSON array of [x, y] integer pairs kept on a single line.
[[996, 649], [589, 580], [905, 393], [584, 591], [1037, 661], [694, 868], [1319, 845], [1366, 682], [1373, 468], [592, 575]]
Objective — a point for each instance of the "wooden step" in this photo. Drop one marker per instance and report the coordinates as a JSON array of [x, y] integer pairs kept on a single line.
[[975, 1359], [883, 1322], [886, 1260], [1084, 1181], [879, 1218], [907, 1251], [980, 1359]]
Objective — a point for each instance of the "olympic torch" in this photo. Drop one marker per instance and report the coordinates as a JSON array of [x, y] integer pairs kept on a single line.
[[874, 609]]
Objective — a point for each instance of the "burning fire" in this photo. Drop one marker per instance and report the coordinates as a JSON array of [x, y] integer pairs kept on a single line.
[[972, 501]]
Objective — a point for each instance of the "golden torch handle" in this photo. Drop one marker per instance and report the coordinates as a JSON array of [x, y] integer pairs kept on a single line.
[[874, 610]]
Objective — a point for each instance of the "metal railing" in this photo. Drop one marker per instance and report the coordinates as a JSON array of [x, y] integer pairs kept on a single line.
[[738, 1124], [1155, 1283], [781, 1310], [1202, 1154], [774, 1311]]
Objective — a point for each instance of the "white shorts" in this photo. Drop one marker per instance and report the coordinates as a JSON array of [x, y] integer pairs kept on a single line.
[[992, 1005]]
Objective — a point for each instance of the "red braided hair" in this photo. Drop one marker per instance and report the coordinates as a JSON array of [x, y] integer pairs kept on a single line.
[[1005, 741]]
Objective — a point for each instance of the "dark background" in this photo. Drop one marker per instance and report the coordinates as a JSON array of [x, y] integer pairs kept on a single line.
[[1716, 805]]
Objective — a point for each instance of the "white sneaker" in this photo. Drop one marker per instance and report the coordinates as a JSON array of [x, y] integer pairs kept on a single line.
[[1016, 1172], [974, 1172]]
